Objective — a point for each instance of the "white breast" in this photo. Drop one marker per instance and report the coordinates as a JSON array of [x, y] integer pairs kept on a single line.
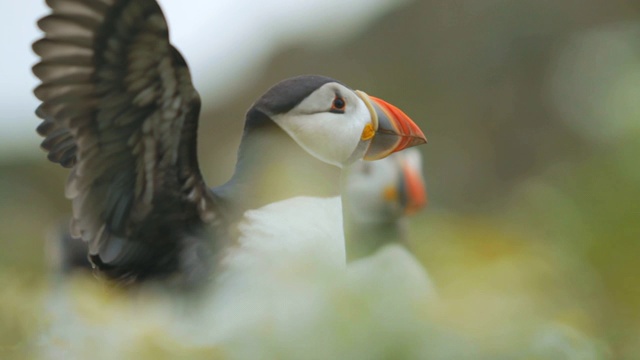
[[288, 230], [285, 250]]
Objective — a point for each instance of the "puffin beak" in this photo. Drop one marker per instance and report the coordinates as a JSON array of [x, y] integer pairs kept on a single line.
[[394, 130], [413, 193]]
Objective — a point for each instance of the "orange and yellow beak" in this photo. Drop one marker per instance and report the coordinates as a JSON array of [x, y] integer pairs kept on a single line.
[[412, 189], [391, 129]]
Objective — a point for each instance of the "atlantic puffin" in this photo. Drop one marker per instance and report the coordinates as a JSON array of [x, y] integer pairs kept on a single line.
[[379, 196], [120, 111]]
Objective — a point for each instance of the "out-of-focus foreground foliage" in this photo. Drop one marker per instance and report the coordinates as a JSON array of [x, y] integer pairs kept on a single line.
[[532, 110]]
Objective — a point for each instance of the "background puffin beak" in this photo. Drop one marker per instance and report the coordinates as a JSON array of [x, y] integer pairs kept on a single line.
[[396, 131], [412, 190]]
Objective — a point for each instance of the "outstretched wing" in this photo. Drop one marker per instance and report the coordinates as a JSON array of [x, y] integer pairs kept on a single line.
[[119, 108]]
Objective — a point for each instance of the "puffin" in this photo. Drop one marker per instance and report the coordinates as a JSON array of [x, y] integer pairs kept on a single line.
[[379, 197], [119, 110]]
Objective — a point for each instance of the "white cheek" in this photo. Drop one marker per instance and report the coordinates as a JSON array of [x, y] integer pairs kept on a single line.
[[363, 117], [329, 137]]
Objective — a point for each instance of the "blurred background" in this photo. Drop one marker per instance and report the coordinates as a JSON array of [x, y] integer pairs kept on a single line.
[[531, 108]]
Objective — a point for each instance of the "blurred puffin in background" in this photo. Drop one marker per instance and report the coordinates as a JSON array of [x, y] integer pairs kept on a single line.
[[119, 109], [378, 198]]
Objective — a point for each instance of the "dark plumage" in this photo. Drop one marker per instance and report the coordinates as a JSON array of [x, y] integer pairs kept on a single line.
[[288, 93], [106, 104]]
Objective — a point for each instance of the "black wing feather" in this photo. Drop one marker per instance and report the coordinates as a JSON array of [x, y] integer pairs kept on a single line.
[[118, 106]]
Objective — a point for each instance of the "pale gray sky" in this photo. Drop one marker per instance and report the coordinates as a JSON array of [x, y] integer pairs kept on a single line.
[[221, 40]]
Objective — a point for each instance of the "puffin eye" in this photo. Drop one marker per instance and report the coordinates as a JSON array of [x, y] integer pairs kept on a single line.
[[338, 105]]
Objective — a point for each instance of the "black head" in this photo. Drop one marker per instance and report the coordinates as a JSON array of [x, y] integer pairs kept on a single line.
[[264, 145], [288, 93]]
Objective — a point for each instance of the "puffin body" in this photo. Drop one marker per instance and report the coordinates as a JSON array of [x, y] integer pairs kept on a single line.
[[120, 111]]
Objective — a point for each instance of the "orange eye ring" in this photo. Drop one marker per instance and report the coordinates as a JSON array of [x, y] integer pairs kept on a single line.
[[338, 105]]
